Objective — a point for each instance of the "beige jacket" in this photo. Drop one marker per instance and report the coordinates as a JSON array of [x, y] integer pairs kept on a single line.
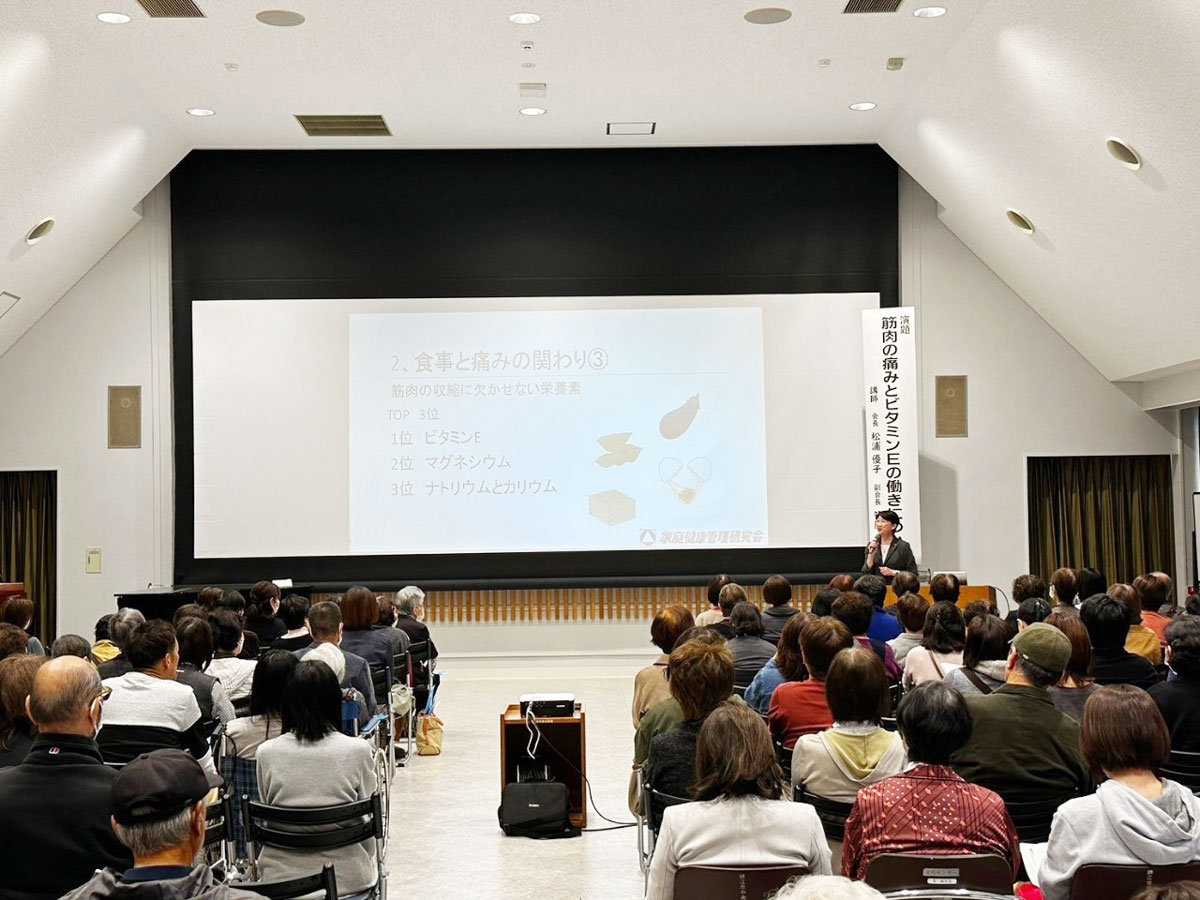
[[836, 765]]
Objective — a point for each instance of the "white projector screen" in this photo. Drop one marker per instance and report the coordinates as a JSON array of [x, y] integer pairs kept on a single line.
[[431, 426]]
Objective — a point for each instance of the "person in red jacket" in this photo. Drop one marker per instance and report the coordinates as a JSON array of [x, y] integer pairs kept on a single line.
[[800, 707]]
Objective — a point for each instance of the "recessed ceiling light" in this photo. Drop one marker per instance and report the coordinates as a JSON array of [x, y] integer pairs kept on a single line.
[[929, 12], [768, 15], [1019, 221], [113, 18], [524, 18], [824, 63], [863, 106], [200, 111], [280, 18], [1124, 154], [532, 111], [39, 231]]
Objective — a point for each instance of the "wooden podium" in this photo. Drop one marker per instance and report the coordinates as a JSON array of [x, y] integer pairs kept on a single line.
[[566, 734], [11, 589]]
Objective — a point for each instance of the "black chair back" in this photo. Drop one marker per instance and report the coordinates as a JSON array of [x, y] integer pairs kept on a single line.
[[1121, 882], [983, 873], [1032, 819], [784, 755], [832, 813], [889, 723], [218, 831], [733, 883], [325, 880], [654, 802], [1183, 767], [381, 681], [355, 822]]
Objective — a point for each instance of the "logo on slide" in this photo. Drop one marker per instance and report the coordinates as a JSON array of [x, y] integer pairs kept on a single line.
[[648, 538]]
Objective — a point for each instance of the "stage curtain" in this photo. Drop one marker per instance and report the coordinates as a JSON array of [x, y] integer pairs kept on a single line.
[[1110, 512], [28, 540]]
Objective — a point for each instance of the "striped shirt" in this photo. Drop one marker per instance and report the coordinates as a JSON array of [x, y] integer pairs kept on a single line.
[[145, 713]]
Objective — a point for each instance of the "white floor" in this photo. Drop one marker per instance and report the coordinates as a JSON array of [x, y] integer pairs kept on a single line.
[[445, 839]]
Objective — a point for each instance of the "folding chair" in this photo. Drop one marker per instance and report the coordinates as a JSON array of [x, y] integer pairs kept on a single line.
[[325, 880], [784, 755], [375, 731], [832, 813], [420, 680], [1032, 819], [650, 820], [912, 875], [218, 833], [1183, 767], [733, 882], [1095, 882], [889, 723], [343, 825]]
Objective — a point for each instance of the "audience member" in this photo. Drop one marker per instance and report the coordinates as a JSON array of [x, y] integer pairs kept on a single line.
[[62, 780], [944, 588], [1107, 621], [888, 553], [943, 637], [928, 808], [731, 595], [360, 611], [71, 645], [1153, 594], [1140, 641], [906, 583], [842, 583], [294, 613], [195, 638], [19, 611], [159, 814], [325, 626], [1091, 581], [822, 602], [777, 594], [410, 609], [1021, 747], [17, 731], [1064, 588], [650, 685], [244, 735], [13, 641], [188, 611], [977, 608], [103, 649], [1026, 586], [1133, 818], [910, 611], [883, 626], [313, 764], [855, 611], [1178, 698], [1031, 611], [227, 666], [786, 665], [856, 751], [827, 887], [800, 707], [713, 614], [1175, 890], [121, 627], [750, 651], [147, 708], [236, 603], [385, 623], [984, 657], [1072, 690], [208, 597], [738, 818], [261, 611]]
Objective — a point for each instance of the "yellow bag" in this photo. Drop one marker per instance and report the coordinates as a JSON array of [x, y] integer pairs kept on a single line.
[[429, 734]]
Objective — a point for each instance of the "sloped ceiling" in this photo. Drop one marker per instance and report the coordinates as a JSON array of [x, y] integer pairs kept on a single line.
[[999, 104]]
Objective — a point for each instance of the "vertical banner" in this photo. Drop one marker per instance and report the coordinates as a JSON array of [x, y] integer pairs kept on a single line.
[[890, 381]]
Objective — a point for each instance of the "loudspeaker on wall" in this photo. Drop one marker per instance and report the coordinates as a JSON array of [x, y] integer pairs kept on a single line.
[[951, 405], [124, 416]]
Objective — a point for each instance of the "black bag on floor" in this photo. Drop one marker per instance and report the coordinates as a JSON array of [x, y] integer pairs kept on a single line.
[[537, 809]]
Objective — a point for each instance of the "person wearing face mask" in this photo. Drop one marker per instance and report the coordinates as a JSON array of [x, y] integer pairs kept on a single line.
[[63, 779], [888, 553]]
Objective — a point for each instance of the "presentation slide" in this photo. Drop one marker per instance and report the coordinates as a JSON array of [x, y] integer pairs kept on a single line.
[[336, 427]]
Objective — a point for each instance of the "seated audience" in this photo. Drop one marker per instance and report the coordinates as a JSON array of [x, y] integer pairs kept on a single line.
[[227, 666], [294, 613], [148, 709], [244, 735], [71, 645], [1064, 589], [195, 654], [1031, 611], [842, 583], [800, 707], [906, 583], [209, 596], [977, 608], [410, 618], [984, 657], [1178, 698], [857, 750], [731, 595], [786, 665], [1021, 747], [385, 622], [1174, 890], [750, 651], [943, 637], [1070, 692], [1091, 581], [702, 676], [360, 611], [158, 812], [739, 818], [822, 603], [261, 611], [1153, 594], [883, 626], [19, 611], [121, 627], [1026, 586], [188, 611], [13, 641], [313, 764], [928, 808], [103, 649], [1140, 641], [1134, 817], [910, 611], [650, 685], [236, 603], [777, 595], [17, 732], [1107, 621], [62, 780], [826, 887], [713, 614], [325, 626], [944, 588], [855, 611]]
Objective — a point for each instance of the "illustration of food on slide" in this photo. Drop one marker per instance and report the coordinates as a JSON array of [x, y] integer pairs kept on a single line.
[[685, 484], [620, 451], [675, 423]]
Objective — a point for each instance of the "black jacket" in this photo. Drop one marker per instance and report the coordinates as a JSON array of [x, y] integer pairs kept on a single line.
[[1115, 665], [1179, 702], [900, 557], [55, 808]]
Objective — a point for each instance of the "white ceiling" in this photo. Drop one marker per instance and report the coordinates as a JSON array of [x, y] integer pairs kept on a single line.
[[1000, 103]]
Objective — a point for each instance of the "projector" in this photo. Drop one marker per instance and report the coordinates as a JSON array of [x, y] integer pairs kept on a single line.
[[547, 705]]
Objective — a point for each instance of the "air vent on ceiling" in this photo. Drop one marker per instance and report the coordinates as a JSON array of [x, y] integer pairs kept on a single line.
[[7, 302], [344, 126], [171, 9], [631, 127], [872, 6]]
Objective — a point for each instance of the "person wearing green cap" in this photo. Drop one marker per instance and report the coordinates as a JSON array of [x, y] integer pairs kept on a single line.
[[1021, 746]]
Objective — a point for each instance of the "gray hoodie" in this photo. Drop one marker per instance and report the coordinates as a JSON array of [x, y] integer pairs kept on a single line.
[[1118, 826], [198, 884]]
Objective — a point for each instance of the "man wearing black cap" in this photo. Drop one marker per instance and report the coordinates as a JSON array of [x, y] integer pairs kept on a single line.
[[158, 813]]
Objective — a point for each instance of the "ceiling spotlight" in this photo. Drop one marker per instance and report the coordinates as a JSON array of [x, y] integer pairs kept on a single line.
[[524, 18], [929, 12], [532, 111], [39, 231], [113, 18], [280, 18], [1123, 153], [863, 106], [1019, 221], [200, 112], [769, 15]]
